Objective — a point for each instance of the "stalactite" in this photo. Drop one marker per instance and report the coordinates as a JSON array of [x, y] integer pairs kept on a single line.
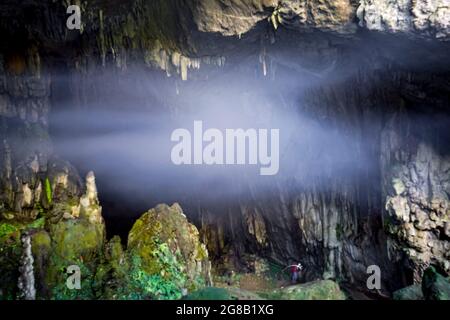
[[262, 60]]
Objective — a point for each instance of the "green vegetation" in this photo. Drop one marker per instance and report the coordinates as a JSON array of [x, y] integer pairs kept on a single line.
[[209, 293], [215, 293], [60, 290], [315, 290], [6, 230], [413, 292], [73, 242], [10, 252], [435, 286], [48, 191], [167, 284], [168, 247]]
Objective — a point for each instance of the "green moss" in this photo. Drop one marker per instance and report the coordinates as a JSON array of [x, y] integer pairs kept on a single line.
[[413, 292], [74, 242], [166, 284], [40, 240], [9, 229], [202, 253], [209, 293], [215, 293], [10, 252], [77, 239], [160, 245], [60, 290], [434, 285], [315, 290], [37, 224], [48, 191], [136, 283], [40, 209], [6, 230]]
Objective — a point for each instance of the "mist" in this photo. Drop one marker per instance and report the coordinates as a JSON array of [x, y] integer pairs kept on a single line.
[[123, 133]]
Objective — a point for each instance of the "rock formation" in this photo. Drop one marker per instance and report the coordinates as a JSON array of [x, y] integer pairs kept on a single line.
[[164, 233], [26, 279], [395, 216]]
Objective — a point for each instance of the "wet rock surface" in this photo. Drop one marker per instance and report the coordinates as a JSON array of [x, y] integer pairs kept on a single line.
[[337, 228], [433, 286], [315, 290]]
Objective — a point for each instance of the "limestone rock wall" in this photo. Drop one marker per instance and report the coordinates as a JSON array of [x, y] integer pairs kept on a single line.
[[175, 35], [337, 228], [31, 176], [393, 215], [417, 203], [427, 17]]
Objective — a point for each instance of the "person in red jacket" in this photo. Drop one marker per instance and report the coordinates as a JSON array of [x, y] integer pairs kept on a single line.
[[295, 269]]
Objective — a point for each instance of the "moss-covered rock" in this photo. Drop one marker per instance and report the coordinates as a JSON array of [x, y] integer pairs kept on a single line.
[[315, 290], [41, 246], [164, 259], [214, 293], [10, 252], [209, 293], [71, 239], [435, 286], [113, 274], [165, 252], [74, 242], [413, 292]]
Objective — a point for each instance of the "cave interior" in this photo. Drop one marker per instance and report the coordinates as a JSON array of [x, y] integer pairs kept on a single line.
[[363, 116]]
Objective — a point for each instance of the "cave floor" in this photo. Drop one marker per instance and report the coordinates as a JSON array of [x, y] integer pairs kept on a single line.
[[253, 286]]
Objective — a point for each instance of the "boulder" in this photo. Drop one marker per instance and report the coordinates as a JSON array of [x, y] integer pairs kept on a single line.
[[413, 292], [435, 286], [214, 293], [314, 290], [166, 254]]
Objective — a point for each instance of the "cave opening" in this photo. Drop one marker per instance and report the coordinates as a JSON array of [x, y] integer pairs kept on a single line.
[[331, 127], [362, 153]]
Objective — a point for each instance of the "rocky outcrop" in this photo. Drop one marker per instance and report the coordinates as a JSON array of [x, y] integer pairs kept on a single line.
[[164, 236], [213, 293], [315, 290], [434, 286], [26, 279], [413, 292], [31, 176], [427, 17], [197, 33], [417, 204], [334, 226], [164, 258]]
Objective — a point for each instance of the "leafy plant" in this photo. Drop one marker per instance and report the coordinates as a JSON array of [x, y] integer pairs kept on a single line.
[[6, 229], [167, 284], [60, 290]]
